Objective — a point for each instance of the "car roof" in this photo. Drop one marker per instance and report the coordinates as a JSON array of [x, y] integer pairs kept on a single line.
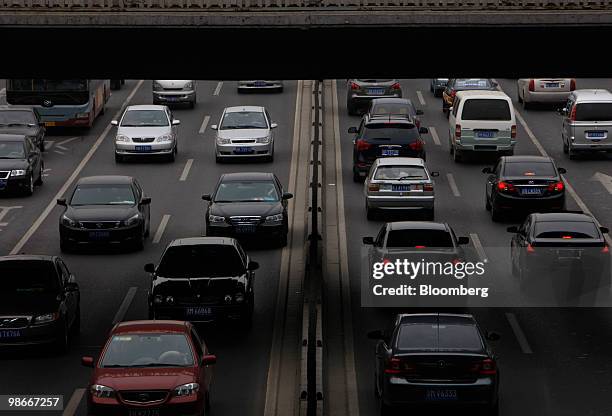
[[563, 216], [238, 109], [384, 161], [482, 94], [199, 241], [435, 318], [526, 158], [417, 225], [150, 326], [595, 94], [105, 180], [247, 176], [12, 137], [145, 107], [41, 257]]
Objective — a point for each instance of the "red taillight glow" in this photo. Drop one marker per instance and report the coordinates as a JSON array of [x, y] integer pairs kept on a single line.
[[572, 84], [567, 237], [416, 145], [513, 132], [505, 187], [396, 86], [419, 246], [428, 187], [354, 86], [393, 366], [488, 367], [362, 145], [458, 130], [556, 187], [605, 249], [572, 115], [530, 249], [532, 85], [453, 93]]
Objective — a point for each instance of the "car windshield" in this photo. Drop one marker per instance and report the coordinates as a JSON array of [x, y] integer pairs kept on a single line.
[[419, 238], [486, 109], [206, 260], [20, 118], [144, 118], [247, 191], [594, 112], [27, 276], [400, 172], [12, 150], [393, 108], [438, 337], [529, 169], [472, 84], [391, 132], [244, 120], [148, 350], [103, 195], [566, 229]]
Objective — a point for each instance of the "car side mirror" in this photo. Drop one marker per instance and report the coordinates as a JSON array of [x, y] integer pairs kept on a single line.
[[176, 122], [352, 130], [287, 195], [562, 170], [463, 240], [450, 110], [368, 240], [493, 336], [209, 359], [214, 127], [604, 230], [423, 130], [378, 334], [146, 200], [87, 362], [419, 112], [149, 268], [487, 170], [561, 111], [513, 229], [114, 123], [253, 265], [273, 125], [61, 201], [206, 197], [435, 174]]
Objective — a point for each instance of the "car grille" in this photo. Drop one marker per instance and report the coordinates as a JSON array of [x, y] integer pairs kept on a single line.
[[245, 220], [14, 321], [5, 174], [143, 139], [242, 141], [143, 396], [99, 225]]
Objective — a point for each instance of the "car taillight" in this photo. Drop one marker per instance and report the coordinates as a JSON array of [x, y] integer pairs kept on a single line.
[[354, 86], [513, 132], [363, 145], [374, 187], [458, 130], [572, 84], [420, 246], [488, 367], [605, 249], [532, 85], [396, 86], [505, 187], [572, 115], [566, 237], [428, 187], [416, 145], [556, 187], [530, 249], [393, 366]]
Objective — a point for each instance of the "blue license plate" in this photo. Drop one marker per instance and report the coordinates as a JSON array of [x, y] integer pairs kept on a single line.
[[171, 98], [376, 91], [10, 333], [199, 311], [3, 183], [440, 395], [99, 235], [143, 148], [531, 191], [389, 152], [552, 85], [400, 188], [487, 134], [595, 134], [243, 150], [246, 228]]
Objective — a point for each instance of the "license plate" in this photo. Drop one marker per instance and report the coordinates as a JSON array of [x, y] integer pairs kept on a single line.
[[246, 229], [260, 84], [551, 85], [376, 91], [400, 188], [390, 152], [440, 395], [10, 333], [144, 412], [199, 312], [171, 98], [143, 148], [50, 123], [485, 134], [3, 183], [595, 134], [568, 254], [243, 150], [531, 191], [98, 235]]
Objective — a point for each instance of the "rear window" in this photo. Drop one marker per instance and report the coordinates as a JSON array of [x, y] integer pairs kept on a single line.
[[391, 132], [486, 109], [529, 169], [392, 108], [594, 112], [472, 84], [400, 172], [439, 337], [206, 260], [28, 276], [414, 238], [566, 229]]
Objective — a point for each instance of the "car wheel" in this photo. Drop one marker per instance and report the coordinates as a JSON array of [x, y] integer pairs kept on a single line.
[[60, 345], [487, 203], [282, 241], [139, 242], [39, 181], [65, 246], [357, 177], [526, 105], [118, 158], [565, 146], [520, 99], [172, 156], [571, 153], [496, 215], [457, 156], [75, 329], [30, 189]]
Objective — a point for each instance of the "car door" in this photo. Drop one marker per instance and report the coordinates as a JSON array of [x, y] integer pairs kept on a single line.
[[492, 180], [452, 121], [521, 242], [145, 209], [566, 128], [204, 371], [270, 129], [34, 158], [173, 128], [71, 300]]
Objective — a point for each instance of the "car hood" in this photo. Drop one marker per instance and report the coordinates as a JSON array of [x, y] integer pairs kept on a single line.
[[8, 164], [144, 378], [25, 130], [101, 212], [243, 133], [30, 304], [228, 209], [204, 286], [144, 131]]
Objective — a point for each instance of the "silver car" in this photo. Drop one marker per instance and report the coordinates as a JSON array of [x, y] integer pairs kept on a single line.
[[174, 91], [146, 130], [399, 183], [587, 122], [276, 85], [544, 90], [244, 131]]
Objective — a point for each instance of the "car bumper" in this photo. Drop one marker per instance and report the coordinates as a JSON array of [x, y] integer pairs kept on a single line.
[[228, 230], [31, 335], [360, 101], [592, 146], [14, 183], [400, 202], [550, 203], [144, 149], [246, 150], [546, 96], [215, 312], [174, 97], [102, 236], [260, 85], [485, 147], [190, 408]]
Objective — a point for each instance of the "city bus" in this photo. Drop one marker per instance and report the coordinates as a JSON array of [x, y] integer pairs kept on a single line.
[[67, 102]]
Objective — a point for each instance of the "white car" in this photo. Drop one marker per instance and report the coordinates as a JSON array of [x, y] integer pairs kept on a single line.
[[146, 130], [544, 90], [174, 91], [244, 131]]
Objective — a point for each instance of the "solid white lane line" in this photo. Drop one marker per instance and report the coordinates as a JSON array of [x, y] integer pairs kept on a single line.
[[161, 228], [518, 333], [218, 89], [73, 404], [125, 305], [186, 170], [49, 144], [72, 177], [204, 125], [68, 140], [453, 184], [479, 248], [421, 98], [59, 152], [434, 135]]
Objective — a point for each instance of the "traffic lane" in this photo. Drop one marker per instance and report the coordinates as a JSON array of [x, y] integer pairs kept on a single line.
[[186, 209], [65, 149], [546, 125]]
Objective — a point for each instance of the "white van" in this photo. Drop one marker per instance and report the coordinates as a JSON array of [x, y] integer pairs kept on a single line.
[[481, 121]]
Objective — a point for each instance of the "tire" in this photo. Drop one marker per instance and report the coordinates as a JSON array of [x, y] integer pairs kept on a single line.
[[65, 246], [60, 345], [457, 156], [172, 156], [39, 181], [496, 215], [487, 203], [30, 189], [357, 177], [75, 329], [218, 159], [192, 104], [279, 90], [139, 242], [571, 153], [526, 105], [282, 241], [118, 158], [147, 232], [565, 146], [518, 94]]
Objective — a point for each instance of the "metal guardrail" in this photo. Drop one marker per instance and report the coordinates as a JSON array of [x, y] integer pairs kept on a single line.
[[290, 5]]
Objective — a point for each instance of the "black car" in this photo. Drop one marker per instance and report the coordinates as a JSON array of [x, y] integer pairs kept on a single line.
[[39, 301], [250, 204], [383, 136], [359, 92], [23, 120], [524, 184], [464, 84], [203, 279], [547, 243], [21, 164], [435, 359], [395, 106], [105, 210]]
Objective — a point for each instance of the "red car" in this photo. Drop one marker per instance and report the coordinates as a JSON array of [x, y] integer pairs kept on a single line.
[[151, 368]]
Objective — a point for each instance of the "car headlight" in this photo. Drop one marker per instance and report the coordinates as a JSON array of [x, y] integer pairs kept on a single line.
[[239, 297], [164, 138], [132, 220], [157, 86], [101, 391], [46, 318], [186, 389], [82, 115], [274, 218], [216, 218], [68, 221], [221, 140], [122, 138], [188, 86], [18, 172], [263, 139]]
